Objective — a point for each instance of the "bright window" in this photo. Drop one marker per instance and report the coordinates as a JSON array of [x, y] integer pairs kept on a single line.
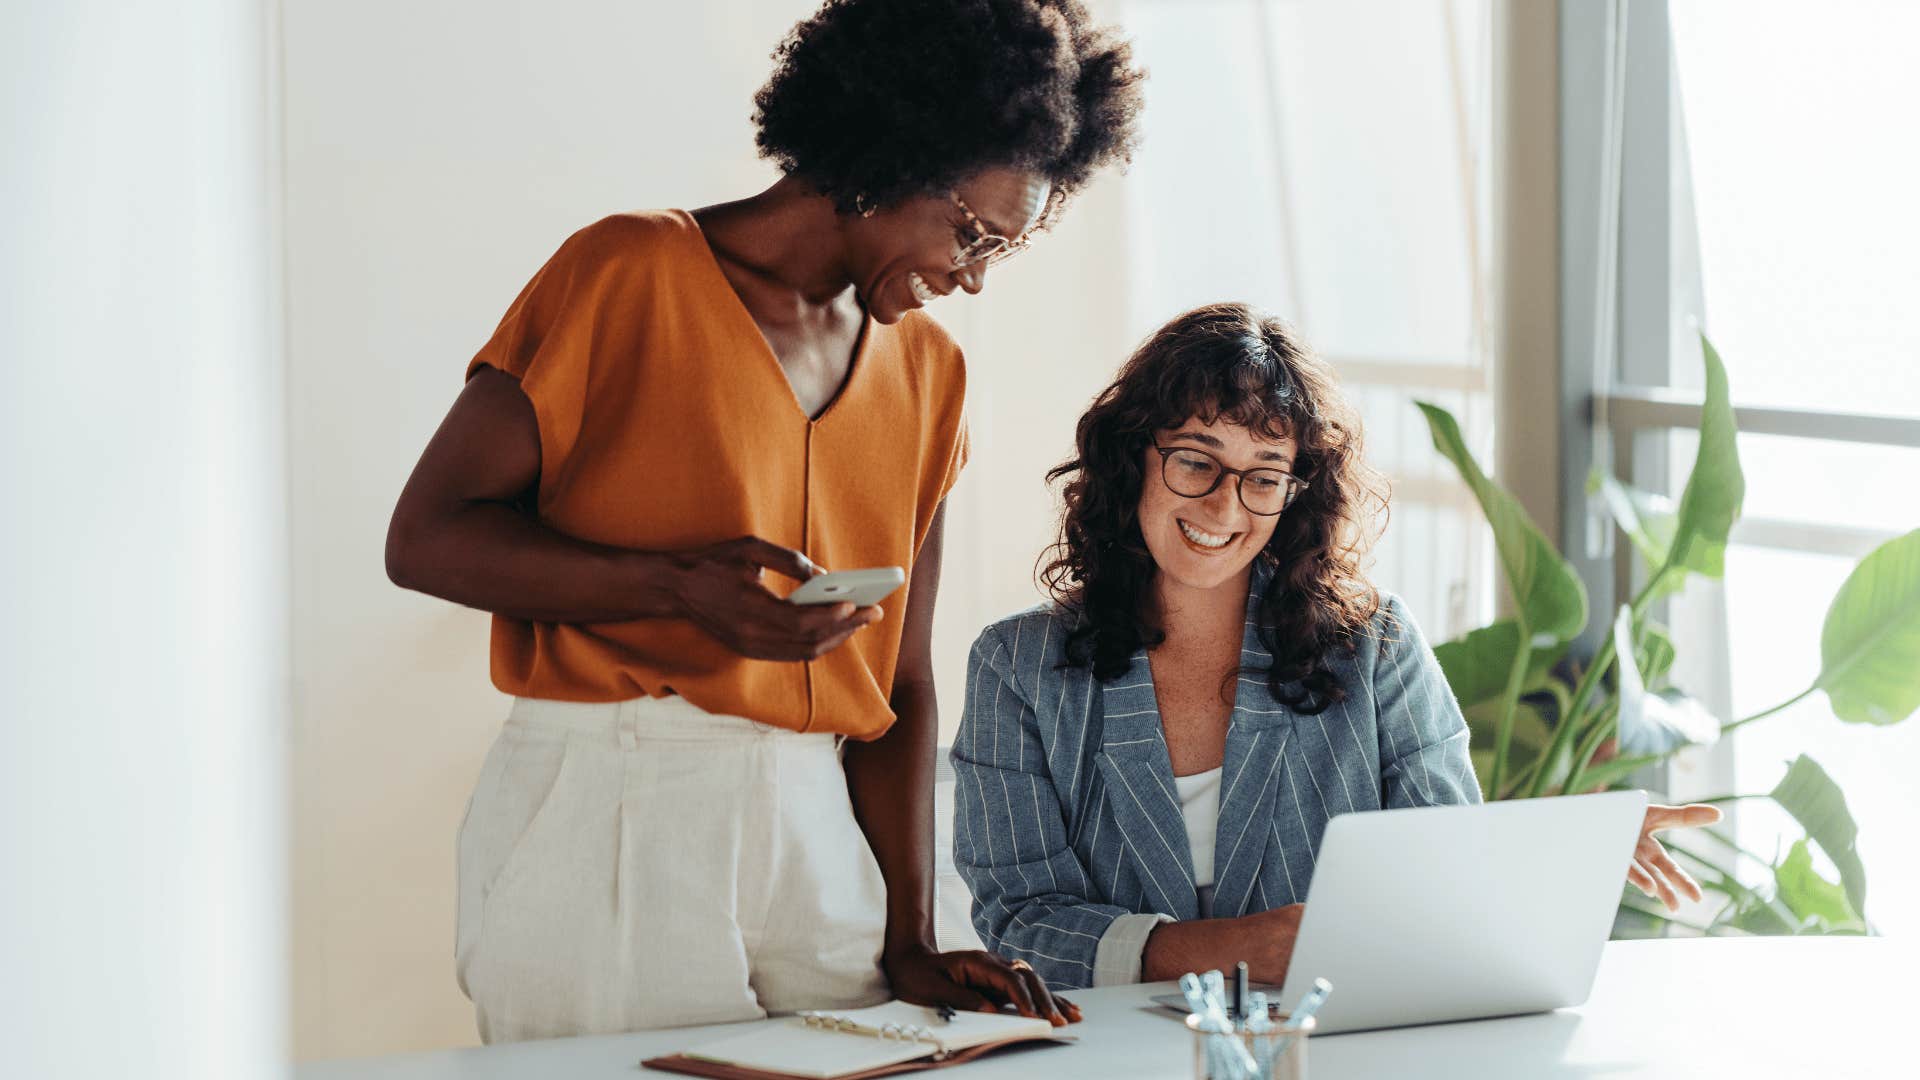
[[1809, 252]]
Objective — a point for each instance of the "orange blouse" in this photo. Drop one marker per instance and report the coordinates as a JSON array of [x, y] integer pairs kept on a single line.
[[667, 423]]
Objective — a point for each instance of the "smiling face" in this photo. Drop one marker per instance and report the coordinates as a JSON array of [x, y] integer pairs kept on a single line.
[[902, 257], [1208, 542]]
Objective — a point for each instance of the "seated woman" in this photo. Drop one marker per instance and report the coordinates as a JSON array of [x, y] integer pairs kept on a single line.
[[1146, 765]]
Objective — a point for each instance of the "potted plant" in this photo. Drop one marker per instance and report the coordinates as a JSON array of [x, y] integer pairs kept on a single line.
[[1546, 723]]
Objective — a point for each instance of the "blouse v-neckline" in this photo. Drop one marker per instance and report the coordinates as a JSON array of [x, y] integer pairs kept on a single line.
[[771, 359]]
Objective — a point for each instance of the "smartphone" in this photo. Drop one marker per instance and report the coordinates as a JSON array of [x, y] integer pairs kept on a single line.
[[861, 588]]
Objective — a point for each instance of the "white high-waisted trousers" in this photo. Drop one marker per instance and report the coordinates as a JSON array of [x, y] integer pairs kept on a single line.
[[645, 864]]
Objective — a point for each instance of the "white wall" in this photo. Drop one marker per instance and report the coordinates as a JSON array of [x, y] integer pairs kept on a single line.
[[436, 155], [142, 588]]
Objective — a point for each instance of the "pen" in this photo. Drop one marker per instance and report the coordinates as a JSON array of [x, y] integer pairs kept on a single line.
[[1309, 1004], [1240, 991], [1259, 1022], [1227, 1055]]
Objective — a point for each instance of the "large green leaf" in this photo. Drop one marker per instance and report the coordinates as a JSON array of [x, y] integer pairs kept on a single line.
[[1819, 904], [1648, 518], [1653, 724], [1548, 596], [1476, 665], [1716, 487], [1870, 645], [1815, 801], [1691, 536], [1628, 685], [1748, 909], [1669, 719], [1607, 773], [1757, 914], [1754, 917], [1531, 735]]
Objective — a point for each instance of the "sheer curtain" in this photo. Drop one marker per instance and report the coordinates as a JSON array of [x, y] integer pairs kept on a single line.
[[1323, 159], [1327, 161]]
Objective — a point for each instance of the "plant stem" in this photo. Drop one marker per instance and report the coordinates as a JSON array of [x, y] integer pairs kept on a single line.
[[1647, 593], [1789, 703], [1604, 659], [1519, 781], [1588, 745], [1590, 677], [1509, 703], [1565, 724], [1562, 740]]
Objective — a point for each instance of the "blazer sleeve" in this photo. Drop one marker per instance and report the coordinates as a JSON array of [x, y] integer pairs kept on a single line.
[[1423, 738], [1032, 898]]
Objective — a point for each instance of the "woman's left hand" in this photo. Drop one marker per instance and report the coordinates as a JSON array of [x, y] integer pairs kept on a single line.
[[1653, 871]]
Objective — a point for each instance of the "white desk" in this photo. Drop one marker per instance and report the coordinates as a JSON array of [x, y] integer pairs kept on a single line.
[[1695, 1008]]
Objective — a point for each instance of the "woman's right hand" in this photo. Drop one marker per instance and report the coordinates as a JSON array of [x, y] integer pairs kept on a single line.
[[719, 589], [1269, 937], [1263, 939]]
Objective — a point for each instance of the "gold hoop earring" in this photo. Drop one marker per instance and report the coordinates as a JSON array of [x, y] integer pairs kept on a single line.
[[860, 204]]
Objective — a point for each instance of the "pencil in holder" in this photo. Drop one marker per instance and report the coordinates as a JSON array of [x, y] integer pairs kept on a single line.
[[1278, 1053]]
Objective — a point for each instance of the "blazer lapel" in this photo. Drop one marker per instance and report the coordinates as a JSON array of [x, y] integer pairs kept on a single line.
[[1139, 777], [1257, 738]]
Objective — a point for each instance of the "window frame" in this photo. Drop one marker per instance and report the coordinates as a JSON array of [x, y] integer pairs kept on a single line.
[[1620, 401]]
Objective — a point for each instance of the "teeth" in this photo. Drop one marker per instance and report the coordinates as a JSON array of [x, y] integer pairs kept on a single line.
[[921, 290], [1204, 539]]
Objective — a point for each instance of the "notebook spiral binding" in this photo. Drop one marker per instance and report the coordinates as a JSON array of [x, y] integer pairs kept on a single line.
[[826, 1021]]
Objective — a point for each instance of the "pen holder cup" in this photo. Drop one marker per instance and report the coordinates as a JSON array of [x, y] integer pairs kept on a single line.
[[1279, 1054]]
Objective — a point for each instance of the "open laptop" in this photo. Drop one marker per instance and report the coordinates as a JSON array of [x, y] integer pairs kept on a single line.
[[1461, 912]]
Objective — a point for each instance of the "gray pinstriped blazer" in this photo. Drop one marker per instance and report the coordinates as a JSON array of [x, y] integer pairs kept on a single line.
[[1065, 814]]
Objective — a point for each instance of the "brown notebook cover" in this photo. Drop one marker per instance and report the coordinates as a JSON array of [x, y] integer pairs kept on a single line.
[[719, 1070], [854, 1044]]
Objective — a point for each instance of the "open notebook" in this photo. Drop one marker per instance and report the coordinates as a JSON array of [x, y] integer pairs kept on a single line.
[[856, 1044]]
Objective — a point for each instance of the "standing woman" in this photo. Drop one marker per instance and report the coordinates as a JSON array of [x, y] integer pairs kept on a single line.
[[669, 830]]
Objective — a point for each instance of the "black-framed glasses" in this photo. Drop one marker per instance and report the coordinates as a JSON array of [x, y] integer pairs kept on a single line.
[[1194, 474], [979, 244]]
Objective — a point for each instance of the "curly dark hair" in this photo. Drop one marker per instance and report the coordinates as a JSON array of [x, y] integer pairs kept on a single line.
[[1223, 361], [889, 99]]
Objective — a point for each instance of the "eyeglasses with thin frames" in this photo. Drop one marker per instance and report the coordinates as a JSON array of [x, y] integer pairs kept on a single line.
[[1195, 474], [989, 247]]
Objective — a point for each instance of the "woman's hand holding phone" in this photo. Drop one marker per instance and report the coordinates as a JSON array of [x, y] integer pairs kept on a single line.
[[719, 589]]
